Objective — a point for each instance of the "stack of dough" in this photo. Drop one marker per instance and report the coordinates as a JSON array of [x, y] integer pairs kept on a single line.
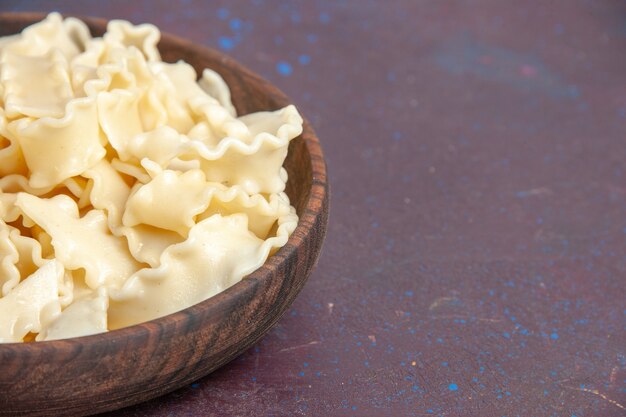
[[128, 189]]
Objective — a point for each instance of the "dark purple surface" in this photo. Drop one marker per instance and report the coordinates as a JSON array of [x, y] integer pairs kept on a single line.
[[476, 258]]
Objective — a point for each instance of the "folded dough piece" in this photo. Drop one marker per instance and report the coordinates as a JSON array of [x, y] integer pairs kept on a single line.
[[32, 304], [81, 242], [108, 192], [218, 253], [69, 36], [263, 212], [253, 159], [258, 154], [20, 256], [147, 243], [118, 113], [174, 200], [144, 37], [57, 149], [169, 201], [83, 317], [35, 86], [9, 274], [11, 157], [215, 86]]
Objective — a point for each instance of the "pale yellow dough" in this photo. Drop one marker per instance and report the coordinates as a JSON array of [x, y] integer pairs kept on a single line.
[[128, 188]]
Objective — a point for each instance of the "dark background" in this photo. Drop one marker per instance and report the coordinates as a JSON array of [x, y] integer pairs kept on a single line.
[[475, 263]]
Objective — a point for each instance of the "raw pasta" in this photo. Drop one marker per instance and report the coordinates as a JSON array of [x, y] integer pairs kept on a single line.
[[128, 188]]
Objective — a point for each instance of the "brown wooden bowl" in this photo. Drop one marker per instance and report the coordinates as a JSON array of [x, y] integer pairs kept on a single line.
[[108, 371]]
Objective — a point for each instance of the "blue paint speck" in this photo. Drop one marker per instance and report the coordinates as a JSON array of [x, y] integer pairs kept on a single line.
[[409, 293], [301, 373], [305, 364], [324, 18], [235, 24], [444, 363], [295, 17], [226, 43], [573, 91], [195, 385], [284, 68], [253, 379], [354, 407], [222, 13], [429, 411], [554, 336], [507, 335], [453, 387], [304, 59], [311, 38]]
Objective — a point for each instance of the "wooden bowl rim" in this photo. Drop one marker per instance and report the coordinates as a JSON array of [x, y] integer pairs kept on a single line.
[[318, 191]]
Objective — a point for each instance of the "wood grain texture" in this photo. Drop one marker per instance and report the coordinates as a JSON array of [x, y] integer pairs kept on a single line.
[[105, 372]]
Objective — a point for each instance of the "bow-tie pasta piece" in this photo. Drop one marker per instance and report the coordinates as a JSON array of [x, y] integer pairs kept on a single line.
[[85, 316], [57, 149], [31, 304], [21, 256], [147, 243], [118, 112], [215, 86], [108, 192], [143, 37], [258, 156], [69, 36], [171, 201], [160, 145], [262, 214], [217, 254], [81, 242], [11, 157], [9, 274], [35, 86]]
